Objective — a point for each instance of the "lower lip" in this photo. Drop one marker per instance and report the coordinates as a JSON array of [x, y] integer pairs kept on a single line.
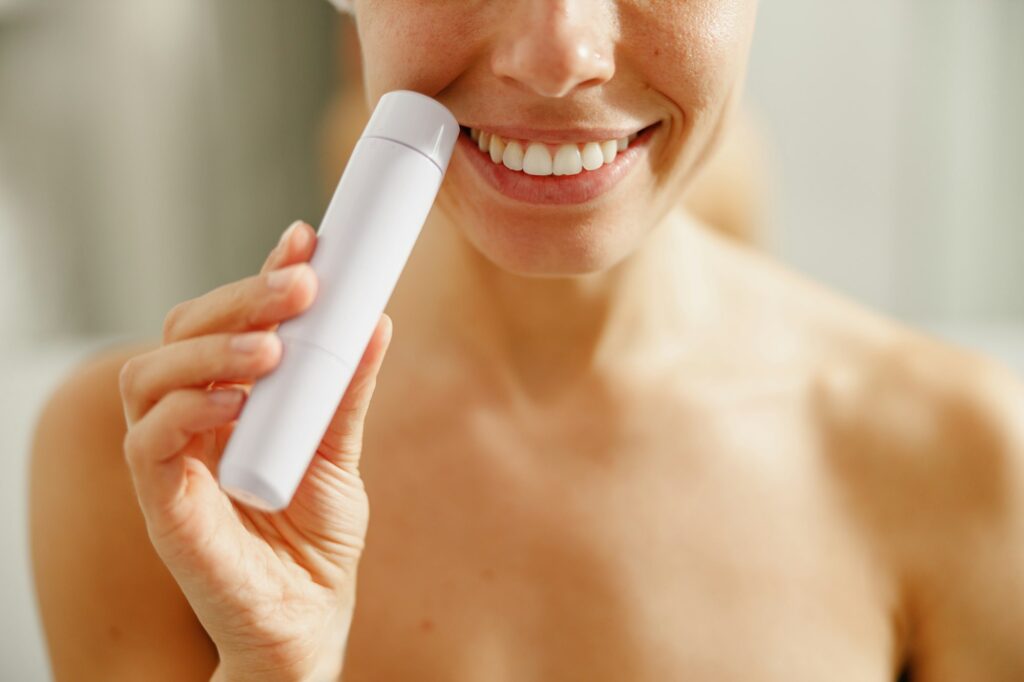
[[555, 189]]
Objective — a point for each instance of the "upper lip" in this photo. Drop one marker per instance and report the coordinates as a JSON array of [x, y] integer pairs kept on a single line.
[[560, 136]]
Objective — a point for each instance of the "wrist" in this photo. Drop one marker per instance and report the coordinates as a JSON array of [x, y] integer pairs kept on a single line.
[[327, 669], [324, 666]]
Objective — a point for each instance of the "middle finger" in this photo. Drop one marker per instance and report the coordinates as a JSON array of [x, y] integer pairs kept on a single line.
[[197, 362]]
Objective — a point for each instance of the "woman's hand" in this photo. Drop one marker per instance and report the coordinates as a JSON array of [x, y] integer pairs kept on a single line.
[[275, 591]]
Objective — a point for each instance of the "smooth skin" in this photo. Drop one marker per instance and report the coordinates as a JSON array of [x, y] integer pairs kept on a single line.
[[607, 443], [274, 592]]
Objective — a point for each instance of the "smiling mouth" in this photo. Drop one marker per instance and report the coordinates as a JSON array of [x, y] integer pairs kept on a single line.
[[550, 173], [545, 159]]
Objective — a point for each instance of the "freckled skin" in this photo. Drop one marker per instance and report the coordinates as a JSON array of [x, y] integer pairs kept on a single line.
[[785, 505], [746, 508], [681, 63], [608, 443]]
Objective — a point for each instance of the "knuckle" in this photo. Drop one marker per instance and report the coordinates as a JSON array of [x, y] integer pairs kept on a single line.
[[300, 295], [177, 401], [129, 445], [307, 275], [126, 377], [248, 302], [171, 321], [266, 358], [271, 258], [290, 304], [251, 319], [307, 285], [230, 363]]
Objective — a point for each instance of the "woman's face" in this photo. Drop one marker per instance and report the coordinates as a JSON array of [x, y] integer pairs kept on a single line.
[[557, 72]]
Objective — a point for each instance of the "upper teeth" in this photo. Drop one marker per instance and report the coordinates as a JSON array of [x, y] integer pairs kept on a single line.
[[536, 158]]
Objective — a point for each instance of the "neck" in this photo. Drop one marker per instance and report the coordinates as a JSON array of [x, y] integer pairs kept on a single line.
[[545, 334]]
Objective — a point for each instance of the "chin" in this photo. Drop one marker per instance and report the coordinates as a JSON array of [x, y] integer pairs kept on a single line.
[[575, 243], [543, 241]]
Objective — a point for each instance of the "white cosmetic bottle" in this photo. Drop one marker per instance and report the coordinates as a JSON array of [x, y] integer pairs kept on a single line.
[[364, 241]]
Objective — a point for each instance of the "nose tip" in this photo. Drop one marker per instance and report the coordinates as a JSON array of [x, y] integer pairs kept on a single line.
[[585, 67], [553, 53]]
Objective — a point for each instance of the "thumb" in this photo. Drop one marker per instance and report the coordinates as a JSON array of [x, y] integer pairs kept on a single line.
[[343, 441]]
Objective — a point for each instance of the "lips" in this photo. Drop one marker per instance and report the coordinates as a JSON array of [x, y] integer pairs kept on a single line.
[[554, 189]]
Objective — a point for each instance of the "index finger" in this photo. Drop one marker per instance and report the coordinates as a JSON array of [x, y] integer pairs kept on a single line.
[[295, 245], [249, 302]]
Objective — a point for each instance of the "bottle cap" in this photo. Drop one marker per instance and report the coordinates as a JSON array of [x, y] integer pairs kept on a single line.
[[418, 121]]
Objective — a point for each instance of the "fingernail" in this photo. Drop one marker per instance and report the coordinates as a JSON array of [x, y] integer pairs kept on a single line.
[[280, 280], [225, 396], [303, 236], [249, 341], [288, 233]]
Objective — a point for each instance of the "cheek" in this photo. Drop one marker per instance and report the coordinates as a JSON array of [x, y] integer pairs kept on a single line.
[[416, 46], [695, 51]]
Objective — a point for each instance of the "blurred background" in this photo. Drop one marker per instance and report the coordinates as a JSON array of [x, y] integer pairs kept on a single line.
[[151, 150]]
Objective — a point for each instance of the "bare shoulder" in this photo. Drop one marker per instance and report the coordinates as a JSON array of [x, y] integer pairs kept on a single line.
[[924, 441], [110, 609], [913, 420], [881, 388], [944, 424], [928, 440], [91, 389]]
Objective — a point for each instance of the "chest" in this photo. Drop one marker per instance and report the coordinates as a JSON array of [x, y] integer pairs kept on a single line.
[[664, 546]]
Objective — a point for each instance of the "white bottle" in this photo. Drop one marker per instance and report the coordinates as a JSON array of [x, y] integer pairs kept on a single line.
[[364, 241]]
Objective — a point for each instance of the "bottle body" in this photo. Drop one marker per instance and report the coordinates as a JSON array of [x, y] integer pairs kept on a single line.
[[366, 237], [363, 243]]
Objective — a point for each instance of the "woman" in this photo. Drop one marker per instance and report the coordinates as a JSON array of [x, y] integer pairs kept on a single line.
[[729, 194], [606, 444]]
